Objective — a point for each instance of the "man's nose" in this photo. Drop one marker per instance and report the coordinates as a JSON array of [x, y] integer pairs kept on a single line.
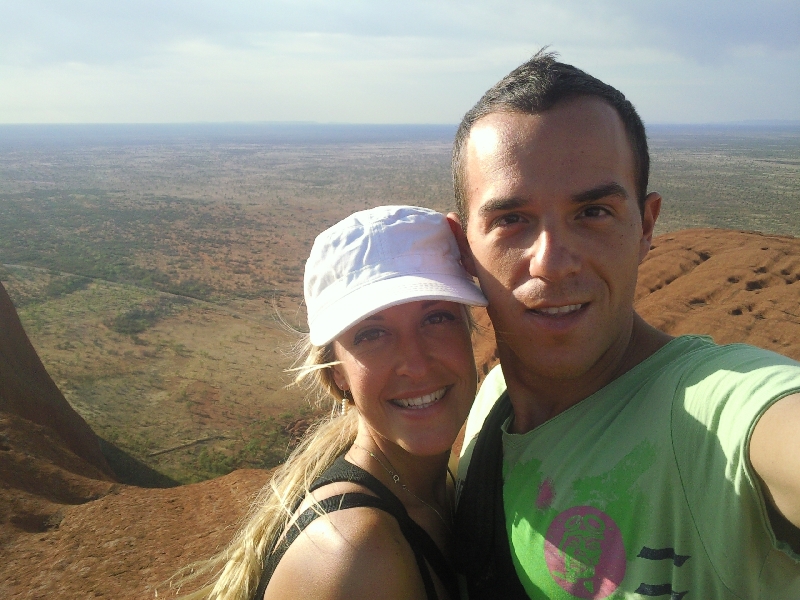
[[553, 255]]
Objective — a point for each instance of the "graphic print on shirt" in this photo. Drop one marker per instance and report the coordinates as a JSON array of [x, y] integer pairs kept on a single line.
[[584, 551], [661, 589], [566, 544]]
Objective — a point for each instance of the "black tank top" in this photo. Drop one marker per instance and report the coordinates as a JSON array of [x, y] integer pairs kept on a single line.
[[424, 548]]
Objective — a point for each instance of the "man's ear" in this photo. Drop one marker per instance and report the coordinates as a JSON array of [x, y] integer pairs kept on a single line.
[[652, 208], [463, 245]]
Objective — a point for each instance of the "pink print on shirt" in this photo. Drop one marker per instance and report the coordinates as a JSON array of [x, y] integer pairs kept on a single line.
[[584, 552]]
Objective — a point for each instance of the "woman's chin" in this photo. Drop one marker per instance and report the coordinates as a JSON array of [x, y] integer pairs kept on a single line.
[[427, 448]]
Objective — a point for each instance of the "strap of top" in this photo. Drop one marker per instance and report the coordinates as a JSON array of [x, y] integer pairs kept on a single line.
[[419, 540], [482, 548], [331, 504], [421, 543]]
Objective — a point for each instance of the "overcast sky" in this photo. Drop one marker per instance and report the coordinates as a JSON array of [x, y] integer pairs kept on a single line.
[[375, 61]]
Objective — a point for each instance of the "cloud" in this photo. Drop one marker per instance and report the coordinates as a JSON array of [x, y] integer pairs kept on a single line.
[[714, 30], [286, 76], [381, 61], [102, 32]]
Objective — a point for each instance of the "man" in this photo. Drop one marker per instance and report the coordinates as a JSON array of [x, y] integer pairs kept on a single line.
[[631, 464]]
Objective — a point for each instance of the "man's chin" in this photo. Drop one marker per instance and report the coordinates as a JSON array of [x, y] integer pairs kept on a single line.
[[556, 362]]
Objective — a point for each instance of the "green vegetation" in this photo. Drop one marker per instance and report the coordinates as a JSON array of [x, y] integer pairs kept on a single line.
[[262, 452], [263, 444], [106, 246], [61, 286], [101, 239], [40, 287], [728, 178], [139, 319]]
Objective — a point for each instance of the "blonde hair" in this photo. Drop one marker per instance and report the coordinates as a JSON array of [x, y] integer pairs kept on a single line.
[[238, 568], [235, 572]]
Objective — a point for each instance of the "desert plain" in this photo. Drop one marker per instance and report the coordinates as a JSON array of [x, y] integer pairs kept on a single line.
[[157, 274]]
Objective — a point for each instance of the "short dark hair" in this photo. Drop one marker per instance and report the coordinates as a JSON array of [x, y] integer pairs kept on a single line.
[[535, 87]]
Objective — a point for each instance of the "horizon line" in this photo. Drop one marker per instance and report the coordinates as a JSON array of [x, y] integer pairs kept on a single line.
[[369, 124]]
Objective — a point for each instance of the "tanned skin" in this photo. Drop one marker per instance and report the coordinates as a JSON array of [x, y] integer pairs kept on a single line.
[[555, 234]]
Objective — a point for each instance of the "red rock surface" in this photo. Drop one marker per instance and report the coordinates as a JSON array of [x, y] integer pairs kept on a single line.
[[28, 391], [128, 542], [734, 286], [67, 531]]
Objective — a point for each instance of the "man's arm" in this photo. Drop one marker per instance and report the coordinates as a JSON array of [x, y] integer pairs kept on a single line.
[[775, 456]]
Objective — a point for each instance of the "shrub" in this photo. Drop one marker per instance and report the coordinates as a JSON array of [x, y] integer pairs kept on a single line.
[[63, 286], [139, 319]]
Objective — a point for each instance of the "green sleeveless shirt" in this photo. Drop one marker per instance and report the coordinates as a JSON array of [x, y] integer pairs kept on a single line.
[[645, 489]]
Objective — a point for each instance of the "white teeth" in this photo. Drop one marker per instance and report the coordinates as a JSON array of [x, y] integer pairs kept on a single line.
[[558, 310], [422, 401]]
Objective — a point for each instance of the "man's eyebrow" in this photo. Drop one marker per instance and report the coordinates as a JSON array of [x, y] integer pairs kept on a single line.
[[499, 204], [601, 191]]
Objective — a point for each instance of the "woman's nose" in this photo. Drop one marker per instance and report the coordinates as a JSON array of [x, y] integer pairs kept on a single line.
[[412, 356]]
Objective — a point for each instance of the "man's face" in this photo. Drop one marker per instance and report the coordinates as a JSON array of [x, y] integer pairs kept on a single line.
[[555, 235]]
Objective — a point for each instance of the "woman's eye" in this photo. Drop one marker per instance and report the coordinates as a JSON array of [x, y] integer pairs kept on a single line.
[[440, 317], [368, 335]]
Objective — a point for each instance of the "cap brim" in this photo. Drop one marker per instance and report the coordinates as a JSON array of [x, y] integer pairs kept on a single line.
[[361, 303]]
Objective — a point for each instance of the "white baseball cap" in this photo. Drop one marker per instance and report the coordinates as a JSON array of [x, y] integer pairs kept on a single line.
[[379, 258]]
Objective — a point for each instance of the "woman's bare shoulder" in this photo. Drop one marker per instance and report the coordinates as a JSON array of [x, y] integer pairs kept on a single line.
[[353, 553]]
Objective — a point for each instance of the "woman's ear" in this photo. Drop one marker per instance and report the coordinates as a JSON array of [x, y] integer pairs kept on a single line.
[[339, 378]]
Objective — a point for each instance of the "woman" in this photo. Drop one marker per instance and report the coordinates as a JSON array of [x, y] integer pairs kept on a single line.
[[361, 509]]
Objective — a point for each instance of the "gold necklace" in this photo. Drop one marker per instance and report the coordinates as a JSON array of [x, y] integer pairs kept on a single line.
[[396, 478]]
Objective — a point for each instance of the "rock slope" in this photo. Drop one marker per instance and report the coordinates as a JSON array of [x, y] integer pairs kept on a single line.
[[68, 530]]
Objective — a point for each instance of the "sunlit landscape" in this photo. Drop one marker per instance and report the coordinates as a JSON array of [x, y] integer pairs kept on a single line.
[[158, 271]]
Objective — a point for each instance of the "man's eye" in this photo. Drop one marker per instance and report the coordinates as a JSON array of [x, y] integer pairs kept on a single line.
[[594, 211], [506, 220], [368, 335], [440, 317]]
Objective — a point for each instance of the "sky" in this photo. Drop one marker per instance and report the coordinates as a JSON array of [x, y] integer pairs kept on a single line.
[[375, 61]]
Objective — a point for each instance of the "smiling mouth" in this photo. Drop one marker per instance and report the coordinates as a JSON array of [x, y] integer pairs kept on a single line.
[[555, 311], [422, 401]]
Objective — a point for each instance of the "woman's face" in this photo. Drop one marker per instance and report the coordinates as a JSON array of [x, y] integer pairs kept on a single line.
[[411, 373]]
